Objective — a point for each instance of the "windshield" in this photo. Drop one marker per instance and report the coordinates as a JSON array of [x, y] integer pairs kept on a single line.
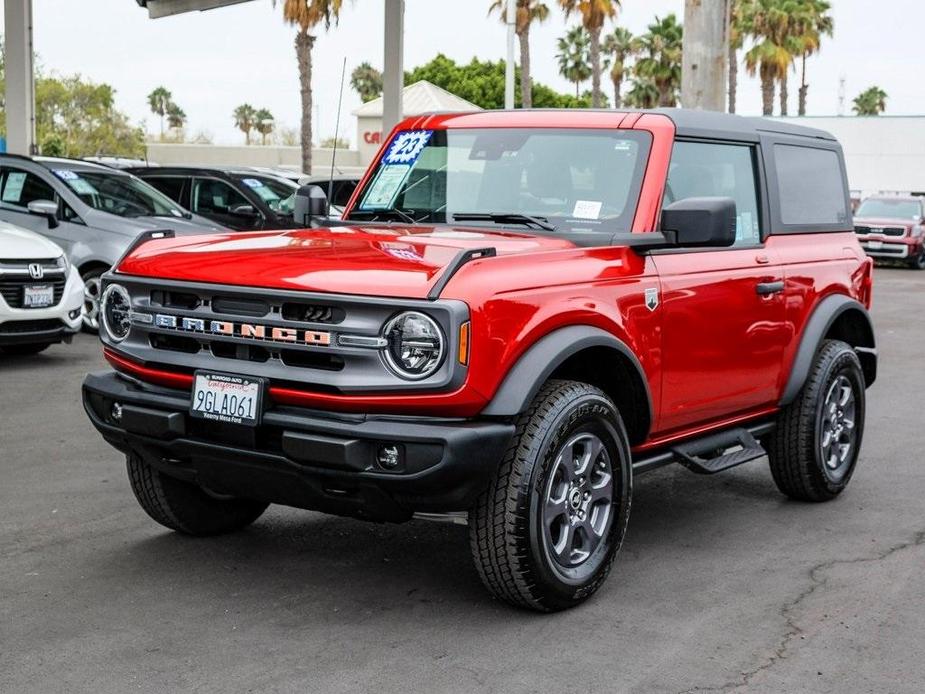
[[894, 209], [119, 194], [569, 179], [278, 194]]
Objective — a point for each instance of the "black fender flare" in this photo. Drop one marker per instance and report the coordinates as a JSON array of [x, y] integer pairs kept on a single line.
[[817, 327], [535, 366]]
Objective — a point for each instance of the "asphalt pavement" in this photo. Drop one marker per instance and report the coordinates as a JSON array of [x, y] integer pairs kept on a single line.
[[722, 585]]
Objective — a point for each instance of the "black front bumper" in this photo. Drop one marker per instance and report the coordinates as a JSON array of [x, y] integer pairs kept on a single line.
[[33, 332], [314, 460]]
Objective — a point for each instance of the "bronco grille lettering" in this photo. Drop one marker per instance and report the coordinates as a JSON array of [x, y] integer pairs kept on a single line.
[[248, 331]]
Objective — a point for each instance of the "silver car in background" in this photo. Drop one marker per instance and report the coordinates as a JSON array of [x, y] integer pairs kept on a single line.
[[93, 212]]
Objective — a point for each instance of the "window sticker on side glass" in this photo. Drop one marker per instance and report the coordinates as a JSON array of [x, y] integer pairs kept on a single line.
[[384, 188], [407, 146], [12, 191], [66, 174]]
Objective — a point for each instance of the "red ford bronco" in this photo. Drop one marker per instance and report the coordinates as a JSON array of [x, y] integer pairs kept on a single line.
[[891, 228], [518, 314]]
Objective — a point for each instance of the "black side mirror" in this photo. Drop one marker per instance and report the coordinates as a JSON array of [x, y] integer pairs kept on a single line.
[[701, 222], [310, 203], [46, 209], [243, 210]]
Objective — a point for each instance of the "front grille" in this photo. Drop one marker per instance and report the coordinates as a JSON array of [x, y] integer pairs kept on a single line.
[[13, 289], [894, 231], [862, 230], [29, 326]]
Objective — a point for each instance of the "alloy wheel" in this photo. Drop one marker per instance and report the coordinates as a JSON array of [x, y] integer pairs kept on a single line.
[[91, 308], [839, 431]]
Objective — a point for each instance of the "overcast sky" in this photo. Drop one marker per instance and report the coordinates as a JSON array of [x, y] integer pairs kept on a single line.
[[213, 61]]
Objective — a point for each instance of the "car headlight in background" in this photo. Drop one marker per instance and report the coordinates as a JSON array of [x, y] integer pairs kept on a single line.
[[116, 311], [415, 345]]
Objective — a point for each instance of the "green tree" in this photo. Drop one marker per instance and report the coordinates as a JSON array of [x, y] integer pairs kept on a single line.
[[264, 124], [245, 118], [642, 93], [366, 81], [594, 13], [159, 102], [870, 102], [618, 47], [306, 15], [528, 12], [574, 57], [813, 22], [660, 59], [176, 117]]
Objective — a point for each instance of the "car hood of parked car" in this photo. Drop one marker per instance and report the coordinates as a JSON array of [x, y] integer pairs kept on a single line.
[[883, 222], [17, 243], [132, 226], [400, 261]]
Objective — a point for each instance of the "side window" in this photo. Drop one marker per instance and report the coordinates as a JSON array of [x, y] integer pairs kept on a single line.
[[811, 186], [171, 186], [19, 188], [702, 169], [211, 196]]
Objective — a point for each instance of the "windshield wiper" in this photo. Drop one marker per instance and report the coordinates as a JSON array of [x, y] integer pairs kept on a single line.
[[505, 218]]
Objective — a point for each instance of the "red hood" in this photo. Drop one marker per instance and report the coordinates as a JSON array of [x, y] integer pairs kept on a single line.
[[883, 222], [385, 261]]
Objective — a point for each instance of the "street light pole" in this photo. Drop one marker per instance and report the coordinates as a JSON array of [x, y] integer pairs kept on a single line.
[[510, 15]]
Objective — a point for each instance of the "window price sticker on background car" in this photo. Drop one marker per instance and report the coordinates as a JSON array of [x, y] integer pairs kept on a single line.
[[65, 174], [407, 146], [227, 398]]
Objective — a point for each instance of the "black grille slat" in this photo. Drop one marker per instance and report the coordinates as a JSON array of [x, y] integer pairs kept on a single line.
[[12, 290], [29, 326], [894, 231]]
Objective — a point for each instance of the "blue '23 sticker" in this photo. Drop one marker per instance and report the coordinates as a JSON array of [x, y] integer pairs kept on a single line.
[[407, 146]]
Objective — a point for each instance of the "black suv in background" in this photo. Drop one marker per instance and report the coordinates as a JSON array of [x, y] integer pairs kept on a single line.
[[240, 198]]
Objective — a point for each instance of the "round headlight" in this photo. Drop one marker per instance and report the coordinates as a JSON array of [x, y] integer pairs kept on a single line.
[[415, 345], [116, 310]]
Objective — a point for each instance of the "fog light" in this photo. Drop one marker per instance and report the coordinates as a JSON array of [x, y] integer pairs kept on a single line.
[[74, 314], [117, 412], [389, 456]]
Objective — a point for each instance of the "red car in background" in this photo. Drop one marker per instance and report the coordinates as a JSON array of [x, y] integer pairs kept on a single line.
[[891, 228]]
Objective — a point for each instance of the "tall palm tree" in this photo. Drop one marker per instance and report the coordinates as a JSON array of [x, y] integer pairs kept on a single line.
[[159, 101], [737, 33], [366, 81], [642, 93], [176, 117], [264, 124], [245, 117], [870, 102], [305, 15], [574, 56], [619, 46], [770, 25], [593, 15], [813, 22], [528, 11], [660, 61]]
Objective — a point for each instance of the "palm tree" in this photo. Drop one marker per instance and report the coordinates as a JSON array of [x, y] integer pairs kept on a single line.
[[245, 117], [263, 124], [306, 15], [159, 101], [813, 23], [528, 11], [619, 46], [574, 56], [769, 23], [593, 15], [642, 93], [176, 117], [366, 81], [660, 64], [737, 32], [870, 102]]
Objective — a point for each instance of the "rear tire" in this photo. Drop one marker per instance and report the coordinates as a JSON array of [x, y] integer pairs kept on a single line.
[[814, 450], [918, 262], [545, 533], [185, 507], [25, 350]]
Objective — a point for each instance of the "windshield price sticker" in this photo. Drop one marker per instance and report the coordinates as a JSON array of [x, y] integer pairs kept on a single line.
[[587, 209], [252, 183], [384, 189], [66, 174], [406, 147], [82, 187]]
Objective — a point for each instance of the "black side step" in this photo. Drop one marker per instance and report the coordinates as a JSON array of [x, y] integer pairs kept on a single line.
[[711, 454]]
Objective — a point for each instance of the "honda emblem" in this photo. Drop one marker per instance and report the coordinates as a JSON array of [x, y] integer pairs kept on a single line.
[[36, 271]]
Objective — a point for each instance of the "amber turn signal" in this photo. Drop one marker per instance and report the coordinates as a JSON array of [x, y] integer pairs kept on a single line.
[[464, 343]]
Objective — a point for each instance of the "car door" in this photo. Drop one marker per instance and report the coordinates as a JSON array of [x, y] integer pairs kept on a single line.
[[217, 200], [724, 322], [19, 187]]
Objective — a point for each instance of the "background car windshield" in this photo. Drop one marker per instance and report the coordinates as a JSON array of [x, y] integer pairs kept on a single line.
[[278, 194], [587, 179], [896, 209], [125, 196]]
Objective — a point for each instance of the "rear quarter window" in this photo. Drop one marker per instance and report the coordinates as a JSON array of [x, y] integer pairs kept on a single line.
[[811, 186]]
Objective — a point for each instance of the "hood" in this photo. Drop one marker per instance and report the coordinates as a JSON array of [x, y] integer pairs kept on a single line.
[[382, 261], [883, 222], [17, 243], [132, 226]]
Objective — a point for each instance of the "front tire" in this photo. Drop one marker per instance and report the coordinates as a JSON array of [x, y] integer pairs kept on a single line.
[[814, 450], [92, 296], [918, 262], [185, 507], [545, 533]]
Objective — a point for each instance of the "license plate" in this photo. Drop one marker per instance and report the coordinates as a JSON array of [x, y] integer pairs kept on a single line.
[[38, 295], [227, 398], [875, 245]]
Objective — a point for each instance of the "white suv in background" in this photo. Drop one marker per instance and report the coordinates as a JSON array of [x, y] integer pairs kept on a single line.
[[41, 294]]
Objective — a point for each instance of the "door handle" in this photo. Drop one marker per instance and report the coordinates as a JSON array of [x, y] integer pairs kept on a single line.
[[768, 288]]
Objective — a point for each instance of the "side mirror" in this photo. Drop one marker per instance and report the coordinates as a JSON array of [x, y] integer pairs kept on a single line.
[[243, 211], [310, 202], [701, 222], [45, 208]]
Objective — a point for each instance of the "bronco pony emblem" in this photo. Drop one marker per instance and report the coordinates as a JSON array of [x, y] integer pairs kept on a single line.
[[652, 298]]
